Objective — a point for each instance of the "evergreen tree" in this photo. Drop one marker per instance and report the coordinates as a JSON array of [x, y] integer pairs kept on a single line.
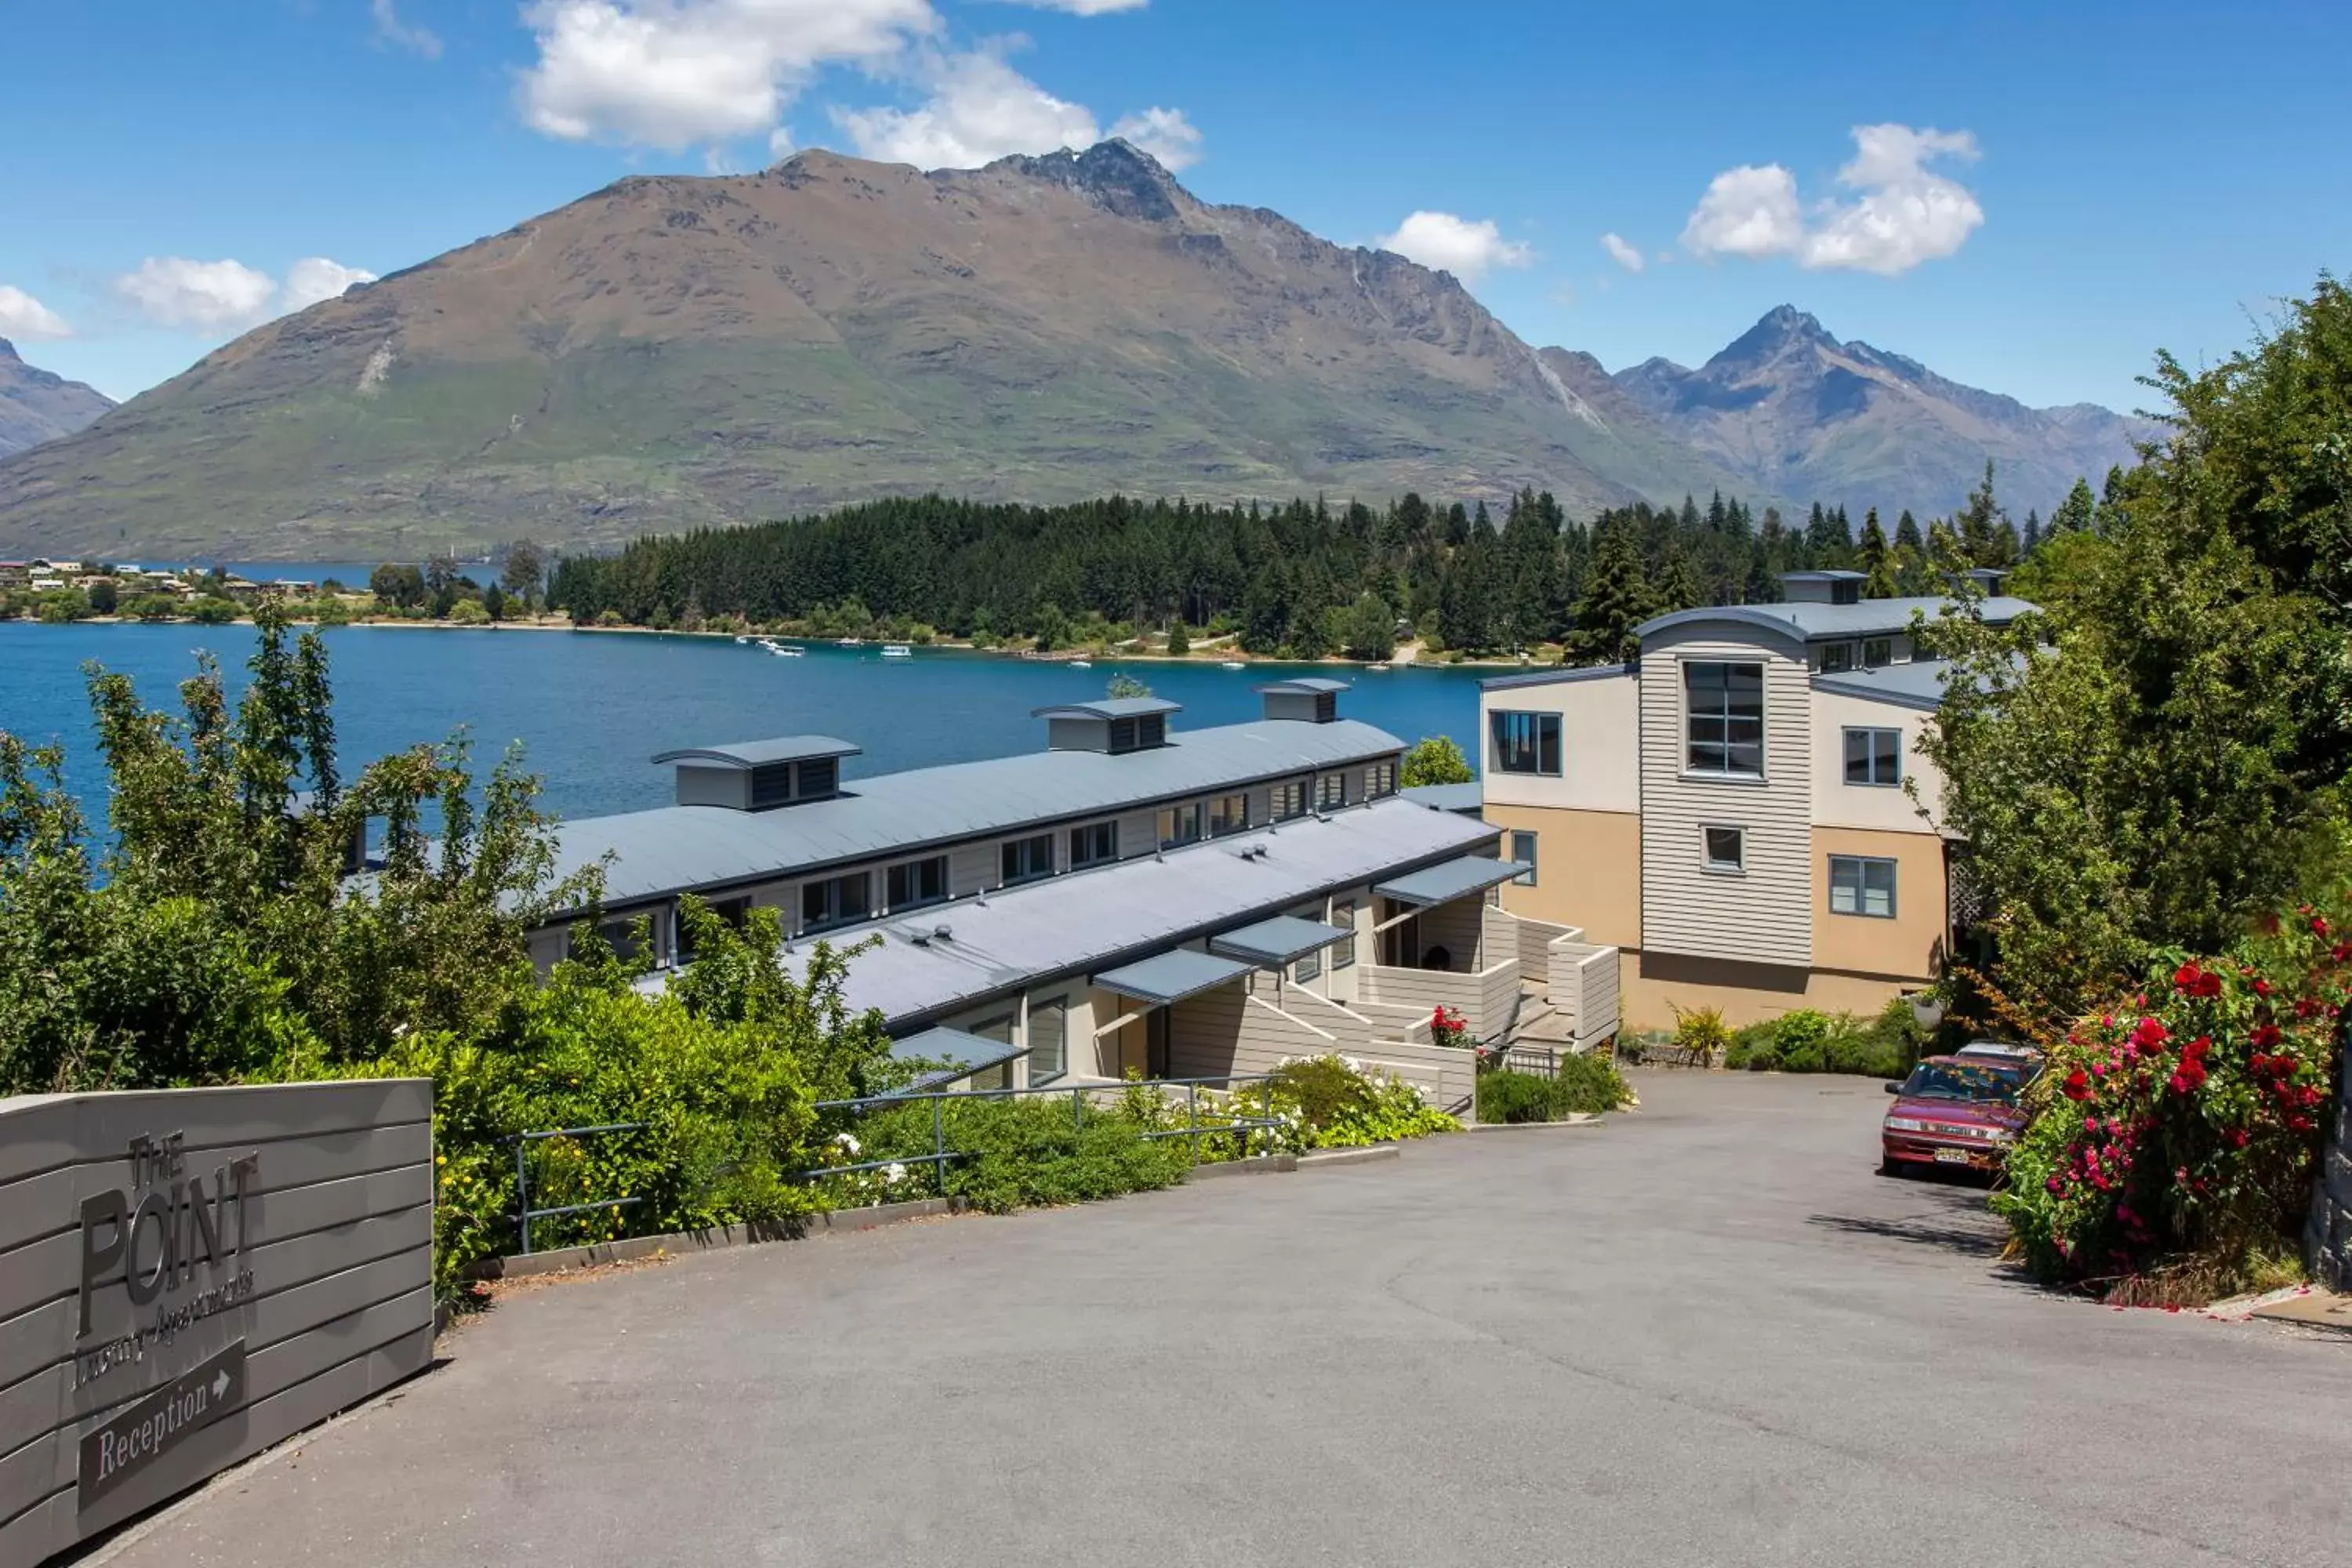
[[1979, 524], [1877, 560], [1179, 641], [2032, 541], [1616, 600], [1677, 586], [1370, 632], [2074, 513]]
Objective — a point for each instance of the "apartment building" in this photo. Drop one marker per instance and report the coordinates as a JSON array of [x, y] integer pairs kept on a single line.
[[1131, 898], [1742, 811]]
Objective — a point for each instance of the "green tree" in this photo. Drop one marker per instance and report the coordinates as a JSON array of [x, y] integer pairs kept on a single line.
[[1616, 601], [1877, 561], [1677, 586], [102, 596], [2074, 514], [1180, 639], [1435, 759], [1125, 685], [525, 570], [1369, 629]]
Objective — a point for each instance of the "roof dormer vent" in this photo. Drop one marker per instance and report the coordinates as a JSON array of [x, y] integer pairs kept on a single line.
[[1115, 725], [1311, 700], [760, 775], [1822, 587]]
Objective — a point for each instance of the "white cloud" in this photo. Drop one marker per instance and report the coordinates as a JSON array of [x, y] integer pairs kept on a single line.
[[314, 278], [391, 29], [1627, 255], [206, 295], [1164, 133], [1747, 211], [1089, 7], [669, 73], [1904, 213], [1459, 246], [22, 316], [212, 296], [780, 144]]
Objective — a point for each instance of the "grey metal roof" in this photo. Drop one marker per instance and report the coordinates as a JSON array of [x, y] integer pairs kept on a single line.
[[1919, 684], [1461, 798], [1828, 574], [686, 849], [1554, 676], [1170, 976], [1454, 879], [760, 753], [1077, 925], [1816, 623], [1278, 941], [1309, 685], [1108, 708]]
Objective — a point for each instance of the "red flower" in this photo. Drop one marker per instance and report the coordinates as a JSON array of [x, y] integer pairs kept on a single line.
[[2196, 982], [2340, 951], [2195, 1049], [2264, 1037], [2261, 987], [2148, 1035], [2077, 1086], [2319, 925]]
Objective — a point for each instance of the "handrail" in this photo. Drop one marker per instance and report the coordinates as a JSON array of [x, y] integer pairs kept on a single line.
[[524, 1213]]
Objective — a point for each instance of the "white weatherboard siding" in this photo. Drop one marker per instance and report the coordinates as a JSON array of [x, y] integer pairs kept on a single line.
[[1763, 915]]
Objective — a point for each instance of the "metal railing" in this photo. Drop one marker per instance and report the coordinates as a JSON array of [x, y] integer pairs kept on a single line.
[[524, 1213], [1193, 1128]]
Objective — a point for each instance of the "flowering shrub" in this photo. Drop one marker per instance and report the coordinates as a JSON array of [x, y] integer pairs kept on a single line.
[[2174, 1142], [1447, 1027]]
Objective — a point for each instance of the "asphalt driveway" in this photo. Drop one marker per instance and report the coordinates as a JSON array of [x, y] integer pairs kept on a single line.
[[1704, 1334]]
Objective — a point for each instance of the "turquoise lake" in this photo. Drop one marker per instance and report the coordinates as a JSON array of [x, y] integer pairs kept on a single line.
[[592, 707]]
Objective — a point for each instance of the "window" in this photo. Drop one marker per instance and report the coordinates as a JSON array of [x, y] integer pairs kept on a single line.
[[1726, 849], [1307, 967], [1027, 860], [1228, 814], [917, 883], [1379, 780], [1874, 757], [1343, 915], [772, 785], [1178, 825], [1862, 886], [835, 900], [1331, 792], [1836, 658], [1877, 653], [1523, 850], [1726, 718], [1049, 1040], [1289, 800], [619, 934], [999, 1029], [1525, 743], [1094, 845]]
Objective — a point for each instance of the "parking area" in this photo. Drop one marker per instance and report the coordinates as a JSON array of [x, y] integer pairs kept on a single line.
[[1703, 1334]]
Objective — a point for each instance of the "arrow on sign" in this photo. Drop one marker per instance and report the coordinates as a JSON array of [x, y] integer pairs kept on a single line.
[[220, 1385]]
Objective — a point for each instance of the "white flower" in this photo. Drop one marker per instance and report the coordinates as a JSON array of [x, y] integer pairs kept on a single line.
[[894, 1172], [846, 1142]]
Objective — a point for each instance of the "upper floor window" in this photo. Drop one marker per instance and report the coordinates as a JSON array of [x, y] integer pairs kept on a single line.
[[1724, 848], [836, 901], [1228, 814], [1331, 792], [1525, 743], [917, 883], [1877, 653], [1726, 717], [1379, 780], [1862, 885], [1289, 800], [1873, 756], [1343, 915], [1027, 860], [1180, 825], [1837, 658], [1094, 845]]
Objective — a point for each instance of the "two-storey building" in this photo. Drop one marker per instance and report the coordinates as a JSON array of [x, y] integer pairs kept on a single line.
[[1730, 809], [1133, 898]]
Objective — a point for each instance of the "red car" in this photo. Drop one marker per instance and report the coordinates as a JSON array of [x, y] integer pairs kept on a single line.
[[1952, 1111]]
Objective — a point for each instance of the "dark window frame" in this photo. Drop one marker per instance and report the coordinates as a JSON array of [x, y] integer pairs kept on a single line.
[[1087, 839], [1016, 859], [907, 871], [1221, 824], [1178, 825], [1526, 742], [1882, 750], [1716, 717], [1863, 866], [835, 912]]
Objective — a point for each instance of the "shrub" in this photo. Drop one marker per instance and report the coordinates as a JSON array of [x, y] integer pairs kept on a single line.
[[1584, 1086], [1322, 1089], [1508, 1095], [469, 613], [1030, 1152], [1702, 1034], [1754, 1047], [2174, 1138]]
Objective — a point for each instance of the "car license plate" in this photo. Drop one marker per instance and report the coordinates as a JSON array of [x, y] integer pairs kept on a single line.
[[1951, 1156]]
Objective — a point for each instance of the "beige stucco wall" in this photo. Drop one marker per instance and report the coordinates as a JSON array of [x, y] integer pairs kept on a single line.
[[1651, 985], [1909, 947], [1588, 869], [1841, 804], [1600, 753]]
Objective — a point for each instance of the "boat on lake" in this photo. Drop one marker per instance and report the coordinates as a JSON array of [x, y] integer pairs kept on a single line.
[[897, 650], [785, 649], [1233, 664], [1082, 664]]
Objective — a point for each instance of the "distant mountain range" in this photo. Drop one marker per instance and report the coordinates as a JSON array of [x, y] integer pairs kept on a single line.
[[674, 352], [37, 406]]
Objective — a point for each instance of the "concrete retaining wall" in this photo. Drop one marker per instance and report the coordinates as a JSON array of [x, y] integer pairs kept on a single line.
[[2327, 1238], [188, 1276]]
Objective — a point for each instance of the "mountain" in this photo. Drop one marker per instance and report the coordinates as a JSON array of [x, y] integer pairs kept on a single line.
[[677, 351], [1791, 409], [38, 405]]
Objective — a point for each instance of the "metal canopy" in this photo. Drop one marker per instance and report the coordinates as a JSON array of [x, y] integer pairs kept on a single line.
[[1170, 977], [1280, 941], [1451, 880], [967, 1053]]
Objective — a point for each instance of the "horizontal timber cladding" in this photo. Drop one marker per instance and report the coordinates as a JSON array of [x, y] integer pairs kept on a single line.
[[188, 1276], [1763, 913]]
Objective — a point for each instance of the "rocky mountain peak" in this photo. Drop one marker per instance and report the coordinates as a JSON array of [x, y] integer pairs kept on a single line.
[[8, 351], [1116, 175], [1781, 329]]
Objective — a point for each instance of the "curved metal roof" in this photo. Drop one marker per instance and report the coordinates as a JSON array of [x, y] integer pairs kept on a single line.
[[1307, 685], [1108, 708], [761, 753]]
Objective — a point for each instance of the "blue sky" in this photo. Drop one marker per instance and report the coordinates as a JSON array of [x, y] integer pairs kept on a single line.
[[2029, 198]]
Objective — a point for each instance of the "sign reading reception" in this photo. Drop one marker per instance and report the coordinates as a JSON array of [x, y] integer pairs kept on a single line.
[[188, 1276]]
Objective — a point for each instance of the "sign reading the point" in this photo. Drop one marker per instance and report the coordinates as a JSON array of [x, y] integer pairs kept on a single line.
[[167, 1231]]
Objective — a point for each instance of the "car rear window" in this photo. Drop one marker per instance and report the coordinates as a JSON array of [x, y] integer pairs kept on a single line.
[[1971, 1080]]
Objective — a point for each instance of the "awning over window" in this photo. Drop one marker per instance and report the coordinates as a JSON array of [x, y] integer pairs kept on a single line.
[[967, 1053], [1172, 976], [1282, 940], [1452, 879]]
